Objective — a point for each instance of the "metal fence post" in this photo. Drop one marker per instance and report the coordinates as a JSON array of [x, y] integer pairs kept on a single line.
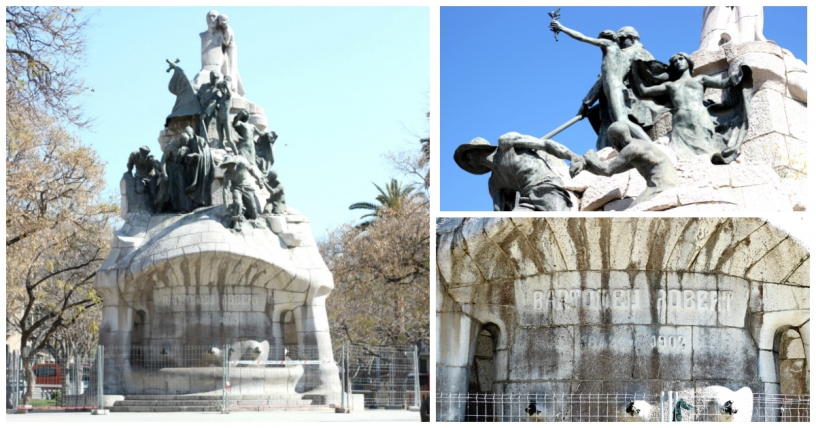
[[660, 419], [225, 382], [343, 377], [416, 377], [100, 373], [16, 377], [347, 383]]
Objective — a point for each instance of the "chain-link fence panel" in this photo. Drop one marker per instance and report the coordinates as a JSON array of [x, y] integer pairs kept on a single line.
[[549, 407], [66, 383], [384, 375], [669, 406]]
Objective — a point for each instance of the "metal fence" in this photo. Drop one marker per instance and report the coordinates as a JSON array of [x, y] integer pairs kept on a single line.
[[58, 383], [549, 407], [240, 376], [668, 406], [385, 375]]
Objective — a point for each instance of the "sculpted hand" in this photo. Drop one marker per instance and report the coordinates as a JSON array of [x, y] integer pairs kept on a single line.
[[592, 158], [577, 164], [583, 110], [555, 25]]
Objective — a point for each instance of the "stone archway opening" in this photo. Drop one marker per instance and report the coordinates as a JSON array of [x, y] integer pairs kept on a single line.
[[483, 369], [289, 328], [789, 352], [137, 335]]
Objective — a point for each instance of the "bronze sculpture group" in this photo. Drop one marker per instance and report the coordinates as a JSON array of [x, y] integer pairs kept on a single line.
[[182, 181], [631, 92]]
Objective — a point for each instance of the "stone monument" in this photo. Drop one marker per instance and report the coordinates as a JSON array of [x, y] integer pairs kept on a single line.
[[199, 264], [219, 55], [706, 307]]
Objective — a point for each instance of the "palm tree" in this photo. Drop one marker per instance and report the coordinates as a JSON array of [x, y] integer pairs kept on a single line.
[[391, 198]]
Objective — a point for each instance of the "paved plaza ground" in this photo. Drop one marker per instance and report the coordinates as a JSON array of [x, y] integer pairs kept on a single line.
[[85, 418]]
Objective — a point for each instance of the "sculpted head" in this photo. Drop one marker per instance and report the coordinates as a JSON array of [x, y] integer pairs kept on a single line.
[[618, 135], [627, 36], [223, 20], [241, 116], [144, 151], [214, 76], [212, 19], [681, 62], [608, 35], [188, 131]]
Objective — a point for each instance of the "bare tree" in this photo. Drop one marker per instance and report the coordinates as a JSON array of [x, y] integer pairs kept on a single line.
[[45, 46], [381, 278], [57, 230]]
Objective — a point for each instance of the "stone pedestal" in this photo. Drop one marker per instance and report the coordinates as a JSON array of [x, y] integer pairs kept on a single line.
[[777, 132], [177, 281]]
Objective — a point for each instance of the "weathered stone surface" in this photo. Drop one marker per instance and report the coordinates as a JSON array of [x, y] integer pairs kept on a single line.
[[602, 191], [543, 353], [796, 113], [619, 204], [663, 352], [626, 304], [771, 267], [581, 182], [791, 346], [637, 184], [767, 114], [709, 62], [769, 149], [733, 51], [723, 353], [662, 201], [604, 352], [768, 70]]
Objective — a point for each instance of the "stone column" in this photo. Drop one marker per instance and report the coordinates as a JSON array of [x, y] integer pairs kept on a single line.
[[454, 356]]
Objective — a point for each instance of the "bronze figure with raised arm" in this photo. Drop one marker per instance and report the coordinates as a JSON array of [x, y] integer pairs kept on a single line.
[[614, 68]]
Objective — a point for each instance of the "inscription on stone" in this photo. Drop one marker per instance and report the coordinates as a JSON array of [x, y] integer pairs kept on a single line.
[[670, 342], [235, 300], [622, 298], [701, 300], [563, 299]]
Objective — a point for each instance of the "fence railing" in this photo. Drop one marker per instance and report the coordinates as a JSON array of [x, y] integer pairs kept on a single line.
[[667, 406], [385, 375], [242, 374], [65, 383]]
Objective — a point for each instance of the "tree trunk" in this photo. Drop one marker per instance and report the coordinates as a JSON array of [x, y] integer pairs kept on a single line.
[[65, 390], [30, 379]]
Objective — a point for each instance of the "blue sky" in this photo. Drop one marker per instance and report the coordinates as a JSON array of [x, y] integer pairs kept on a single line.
[[502, 71], [340, 86]]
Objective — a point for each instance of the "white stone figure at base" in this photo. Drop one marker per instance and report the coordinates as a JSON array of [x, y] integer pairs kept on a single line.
[[731, 24], [230, 49]]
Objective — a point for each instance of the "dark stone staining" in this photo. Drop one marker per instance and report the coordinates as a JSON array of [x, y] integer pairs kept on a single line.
[[575, 226], [657, 231], [502, 292], [606, 227]]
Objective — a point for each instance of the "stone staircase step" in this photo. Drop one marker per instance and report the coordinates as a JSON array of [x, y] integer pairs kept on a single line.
[[212, 403], [164, 409]]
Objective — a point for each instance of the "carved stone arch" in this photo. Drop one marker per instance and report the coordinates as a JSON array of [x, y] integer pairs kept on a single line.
[[719, 286]]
